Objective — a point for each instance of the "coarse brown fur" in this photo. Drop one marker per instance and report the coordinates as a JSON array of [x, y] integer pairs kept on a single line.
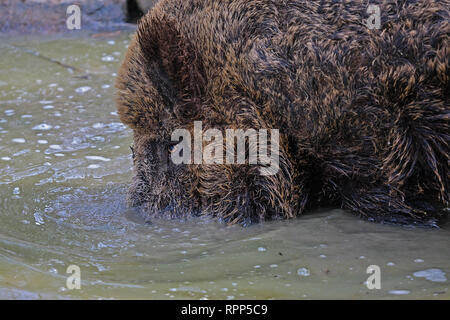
[[363, 114]]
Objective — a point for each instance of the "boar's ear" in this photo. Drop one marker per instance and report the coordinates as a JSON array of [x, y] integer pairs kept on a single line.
[[161, 39], [145, 96]]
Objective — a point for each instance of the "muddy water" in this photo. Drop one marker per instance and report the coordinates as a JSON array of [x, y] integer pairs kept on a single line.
[[64, 169]]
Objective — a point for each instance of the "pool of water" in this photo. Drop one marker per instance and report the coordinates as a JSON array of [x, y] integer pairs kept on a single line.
[[64, 170]]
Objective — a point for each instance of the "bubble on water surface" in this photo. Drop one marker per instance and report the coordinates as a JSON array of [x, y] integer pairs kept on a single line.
[[42, 127], [82, 89], [108, 58], [303, 272], [98, 125], [21, 152], [98, 158], [100, 267], [434, 275], [399, 292], [53, 270], [18, 140], [38, 220]]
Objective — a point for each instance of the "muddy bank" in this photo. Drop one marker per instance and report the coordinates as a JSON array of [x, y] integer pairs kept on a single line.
[[49, 16]]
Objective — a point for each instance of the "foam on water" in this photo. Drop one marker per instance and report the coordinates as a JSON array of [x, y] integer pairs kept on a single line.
[[435, 275]]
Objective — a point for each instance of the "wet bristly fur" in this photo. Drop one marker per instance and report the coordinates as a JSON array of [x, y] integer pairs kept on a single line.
[[363, 113]]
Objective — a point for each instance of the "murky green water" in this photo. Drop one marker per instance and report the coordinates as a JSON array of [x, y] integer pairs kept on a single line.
[[64, 169]]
